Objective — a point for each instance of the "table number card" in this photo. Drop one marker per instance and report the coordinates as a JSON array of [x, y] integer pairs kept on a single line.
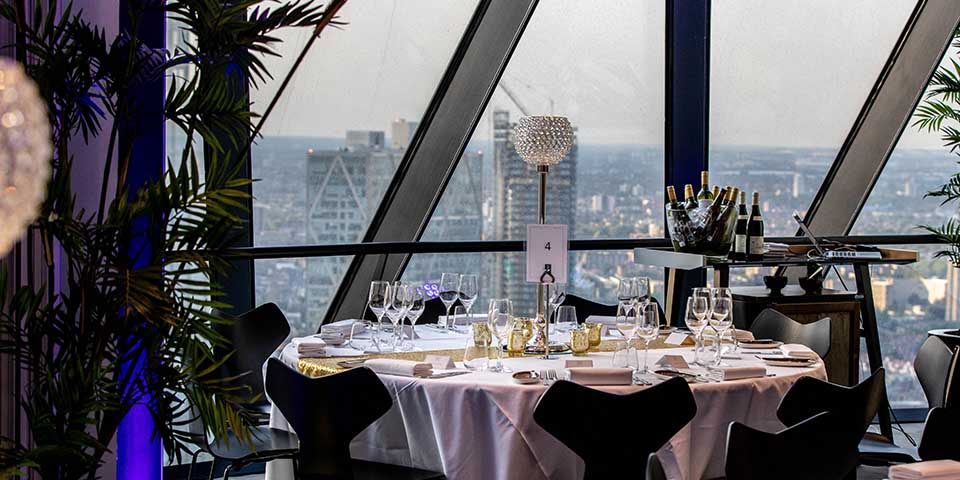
[[547, 245], [676, 338], [673, 361]]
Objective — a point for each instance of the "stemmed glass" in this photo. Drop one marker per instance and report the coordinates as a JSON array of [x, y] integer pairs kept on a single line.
[[627, 294], [627, 326], [417, 304], [720, 320], [567, 316], [696, 320], [557, 294], [644, 293], [377, 302], [725, 293], [396, 309], [707, 301], [499, 316], [469, 291], [648, 327], [449, 291]]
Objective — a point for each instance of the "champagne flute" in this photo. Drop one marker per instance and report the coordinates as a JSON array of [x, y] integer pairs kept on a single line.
[[720, 320], [449, 291], [648, 328], [500, 316], [469, 291], [417, 304], [377, 302], [696, 321], [627, 293]]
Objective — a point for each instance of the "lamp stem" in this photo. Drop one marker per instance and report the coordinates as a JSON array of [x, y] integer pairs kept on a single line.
[[543, 170]]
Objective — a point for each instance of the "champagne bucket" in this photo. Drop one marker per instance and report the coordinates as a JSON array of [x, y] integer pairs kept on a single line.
[[691, 232]]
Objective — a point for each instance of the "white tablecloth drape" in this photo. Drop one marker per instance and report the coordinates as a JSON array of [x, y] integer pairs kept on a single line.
[[480, 425]]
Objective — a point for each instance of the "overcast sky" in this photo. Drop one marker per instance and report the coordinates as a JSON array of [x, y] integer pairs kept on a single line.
[[783, 73]]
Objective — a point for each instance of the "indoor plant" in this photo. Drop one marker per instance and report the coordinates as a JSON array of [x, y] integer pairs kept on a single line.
[[137, 288]]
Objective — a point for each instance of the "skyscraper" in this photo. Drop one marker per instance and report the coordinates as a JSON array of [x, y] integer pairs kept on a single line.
[[401, 133], [344, 188], [515, 197]]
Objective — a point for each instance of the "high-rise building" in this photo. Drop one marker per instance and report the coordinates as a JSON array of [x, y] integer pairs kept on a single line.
[[365, 139], [402, 132], [344, 188], [952, 296], [515, 196]]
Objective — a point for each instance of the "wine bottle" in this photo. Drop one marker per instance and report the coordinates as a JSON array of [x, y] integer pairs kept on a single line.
[[713, 220], [731, 195], [726, 218], [739, 251], [689, 201], [755, 230], [681, 221], [705, 197], [716, 193]]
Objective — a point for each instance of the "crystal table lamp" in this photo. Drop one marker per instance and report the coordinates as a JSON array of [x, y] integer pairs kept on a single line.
[[543, 141], [25, 152]]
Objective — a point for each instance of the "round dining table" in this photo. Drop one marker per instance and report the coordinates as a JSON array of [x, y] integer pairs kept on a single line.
[[480, 425]]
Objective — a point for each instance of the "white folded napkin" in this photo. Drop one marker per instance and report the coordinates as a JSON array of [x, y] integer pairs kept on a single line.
[[310, 346], [331, 338], [601, 376], [343, 327], [797, 350], [741, 372], [932, 470], [404, 368], [602, 319], [744, 335]]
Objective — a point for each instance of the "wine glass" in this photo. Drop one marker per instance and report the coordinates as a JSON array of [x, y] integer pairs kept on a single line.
[[449, 291], [726, 293], [477, 349], [396, 309], [644, 292], [627, 293], [626, 325], [417, 304], [696, 320], [377, 302], [648, 328], [567, 316], [499, 316], [469, 291], [720, 320], [703, 308], [557, 294]]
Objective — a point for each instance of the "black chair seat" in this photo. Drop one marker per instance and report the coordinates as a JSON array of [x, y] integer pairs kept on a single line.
[[363, 470], [878, 452], [777, 326], [267, 443]]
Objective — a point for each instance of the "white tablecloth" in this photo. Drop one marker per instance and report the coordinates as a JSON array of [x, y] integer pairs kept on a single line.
[[480, 425]]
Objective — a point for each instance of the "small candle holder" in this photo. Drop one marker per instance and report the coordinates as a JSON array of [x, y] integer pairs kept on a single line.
[[580, 340], [594, 331]]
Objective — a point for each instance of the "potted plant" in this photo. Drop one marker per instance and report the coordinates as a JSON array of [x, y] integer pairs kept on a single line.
[[939, 112], [120, 305]]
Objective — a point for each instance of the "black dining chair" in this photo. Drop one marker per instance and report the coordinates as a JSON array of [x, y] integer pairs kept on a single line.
[[936, 367], [586, 308], [939, 438], [814, 448], [579, 417], [855, 408], [433, 309], [777, 326], [327, 413], [252, 338], [655, 468]]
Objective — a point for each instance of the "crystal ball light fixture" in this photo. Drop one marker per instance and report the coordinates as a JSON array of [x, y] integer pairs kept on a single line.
[[25, 153], [543, 141]]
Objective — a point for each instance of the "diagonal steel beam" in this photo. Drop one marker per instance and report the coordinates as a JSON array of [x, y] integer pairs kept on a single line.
[[432, 157]]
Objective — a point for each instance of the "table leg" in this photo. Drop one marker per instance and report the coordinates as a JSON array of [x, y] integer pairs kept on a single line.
[[871, 334]]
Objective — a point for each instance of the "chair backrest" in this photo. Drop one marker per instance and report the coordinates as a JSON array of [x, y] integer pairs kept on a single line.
[[619, 448], [655, 468], [810, 449], [777, 326], [586, 308], [935, 365], [939, 438], [253, 337], [433, 309], [327, 413], [856, 406]]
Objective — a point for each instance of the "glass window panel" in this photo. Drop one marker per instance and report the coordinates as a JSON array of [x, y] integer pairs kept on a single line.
[[338, 132], [787, 82], [897, 204], [427, 268], [910, 300], [604, 69], [301, 287]]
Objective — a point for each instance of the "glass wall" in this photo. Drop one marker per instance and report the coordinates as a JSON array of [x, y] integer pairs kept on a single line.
[[604, 69], [331, 146], [787, 81]]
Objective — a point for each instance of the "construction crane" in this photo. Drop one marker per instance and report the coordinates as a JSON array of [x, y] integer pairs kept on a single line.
[[516, 100]]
